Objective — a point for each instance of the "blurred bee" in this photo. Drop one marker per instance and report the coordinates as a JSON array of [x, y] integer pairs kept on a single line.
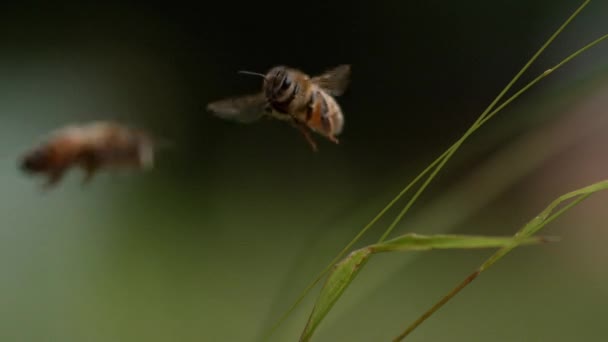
[[92, 147], [290, 95]]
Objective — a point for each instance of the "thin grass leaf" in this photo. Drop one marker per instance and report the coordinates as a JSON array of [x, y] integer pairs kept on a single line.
[[416, 242], [346, 270], [546, 216], [343, 274]]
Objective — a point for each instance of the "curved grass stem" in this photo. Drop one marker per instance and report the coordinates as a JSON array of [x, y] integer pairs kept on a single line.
[[488, 263], [488, 113]]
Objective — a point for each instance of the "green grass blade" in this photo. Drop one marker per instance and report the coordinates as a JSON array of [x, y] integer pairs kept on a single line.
[[343, 274], [346, 270], [416, 242], [545, 217], [541, 76]]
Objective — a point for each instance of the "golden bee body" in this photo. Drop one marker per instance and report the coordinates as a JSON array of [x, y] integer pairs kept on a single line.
[[92, 147], [289, 94]]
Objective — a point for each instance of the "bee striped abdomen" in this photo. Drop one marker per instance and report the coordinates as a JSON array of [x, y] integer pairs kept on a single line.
[[310, 106], [324, 114], [317, 115]]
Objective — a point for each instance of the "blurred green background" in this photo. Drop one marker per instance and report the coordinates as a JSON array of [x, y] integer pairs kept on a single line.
[[218, 240]]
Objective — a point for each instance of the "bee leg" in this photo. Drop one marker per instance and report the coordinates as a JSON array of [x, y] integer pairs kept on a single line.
[[333, 139], [267, 111], [89, 172], [307, 135], [89, 164], [54, 178]]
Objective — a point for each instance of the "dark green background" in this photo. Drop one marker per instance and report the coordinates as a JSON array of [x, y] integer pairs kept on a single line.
[[220, 238]]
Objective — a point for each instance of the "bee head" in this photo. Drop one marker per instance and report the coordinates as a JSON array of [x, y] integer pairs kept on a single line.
[[35, 161], [276, 82]]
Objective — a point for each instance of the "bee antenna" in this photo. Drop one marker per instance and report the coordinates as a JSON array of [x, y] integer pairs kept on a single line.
[[245, 72]]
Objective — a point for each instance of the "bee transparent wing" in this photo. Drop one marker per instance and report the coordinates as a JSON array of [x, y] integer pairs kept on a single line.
[[334, 81], [244, 109]]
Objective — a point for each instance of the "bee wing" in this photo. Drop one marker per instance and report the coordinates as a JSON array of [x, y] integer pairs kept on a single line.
[[334, 81], [244, 109]]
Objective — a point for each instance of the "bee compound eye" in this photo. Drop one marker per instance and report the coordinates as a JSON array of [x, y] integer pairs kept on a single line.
[[286, 83]]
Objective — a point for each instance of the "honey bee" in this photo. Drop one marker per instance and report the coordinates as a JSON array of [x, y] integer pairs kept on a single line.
[[290, 95], [92, 147]]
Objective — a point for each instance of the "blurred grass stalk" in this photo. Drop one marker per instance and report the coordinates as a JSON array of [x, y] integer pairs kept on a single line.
[[438, 163]]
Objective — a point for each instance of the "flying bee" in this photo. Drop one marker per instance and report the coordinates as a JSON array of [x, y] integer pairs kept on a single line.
[[92, 147], [290, 95]]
